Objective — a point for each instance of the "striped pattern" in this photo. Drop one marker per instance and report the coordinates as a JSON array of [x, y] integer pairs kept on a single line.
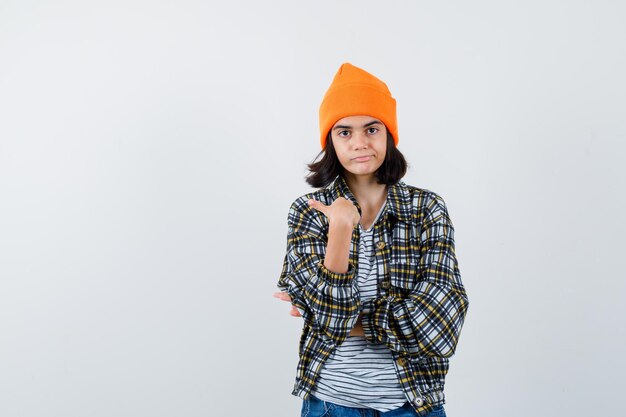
[[420, 304], [359, 373]]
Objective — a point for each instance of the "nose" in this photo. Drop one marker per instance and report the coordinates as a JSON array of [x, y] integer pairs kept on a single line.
[[359, 140]]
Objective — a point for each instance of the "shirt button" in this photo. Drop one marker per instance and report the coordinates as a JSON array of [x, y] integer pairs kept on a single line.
[[401, 362], [385, 285], [418, 401], [380, 244]]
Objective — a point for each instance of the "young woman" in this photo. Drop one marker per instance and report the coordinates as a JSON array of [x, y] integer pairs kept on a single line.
[[371, 268]]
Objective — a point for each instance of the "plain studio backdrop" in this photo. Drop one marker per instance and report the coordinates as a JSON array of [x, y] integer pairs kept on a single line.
[[149, 152]]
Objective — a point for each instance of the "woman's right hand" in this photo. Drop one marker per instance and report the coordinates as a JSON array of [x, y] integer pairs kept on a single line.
[[341, 210]]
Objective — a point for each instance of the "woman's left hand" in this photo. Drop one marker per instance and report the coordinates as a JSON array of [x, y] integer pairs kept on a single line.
[[283, 295], [357, 330]]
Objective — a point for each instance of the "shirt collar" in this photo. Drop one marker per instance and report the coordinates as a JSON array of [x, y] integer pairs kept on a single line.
[[398, 197]]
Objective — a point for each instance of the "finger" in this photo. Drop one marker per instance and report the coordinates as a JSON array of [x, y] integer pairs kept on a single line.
[[282, 296], [295, 312], [317, 205]]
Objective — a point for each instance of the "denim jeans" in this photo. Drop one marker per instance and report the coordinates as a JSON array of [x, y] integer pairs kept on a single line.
[[314, 407]]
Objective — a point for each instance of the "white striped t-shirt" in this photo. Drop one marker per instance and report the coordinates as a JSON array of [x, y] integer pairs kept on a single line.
[[359, 373]]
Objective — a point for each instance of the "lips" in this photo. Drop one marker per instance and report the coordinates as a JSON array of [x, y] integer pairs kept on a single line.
[[362, 158]]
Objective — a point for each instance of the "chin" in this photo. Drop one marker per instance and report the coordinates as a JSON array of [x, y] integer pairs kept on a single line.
[[368, 172]]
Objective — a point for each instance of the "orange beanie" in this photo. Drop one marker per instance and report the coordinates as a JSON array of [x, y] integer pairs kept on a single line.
[[356, 92]]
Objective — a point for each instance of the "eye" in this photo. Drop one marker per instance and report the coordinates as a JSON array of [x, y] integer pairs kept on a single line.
[[374, 128], [343, 131]]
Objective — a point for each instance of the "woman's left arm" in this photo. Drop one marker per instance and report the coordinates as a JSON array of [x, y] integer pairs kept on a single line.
[[428, 321]]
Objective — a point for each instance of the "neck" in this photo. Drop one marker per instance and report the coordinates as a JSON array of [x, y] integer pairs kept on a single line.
[[367, 191]]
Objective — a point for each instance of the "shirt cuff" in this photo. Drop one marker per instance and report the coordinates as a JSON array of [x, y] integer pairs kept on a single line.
[[336, 278]]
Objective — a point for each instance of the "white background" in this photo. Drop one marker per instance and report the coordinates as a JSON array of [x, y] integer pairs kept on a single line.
[[149, 152]]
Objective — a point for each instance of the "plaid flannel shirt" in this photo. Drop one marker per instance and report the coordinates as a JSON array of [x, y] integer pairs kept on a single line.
[[421, 303]]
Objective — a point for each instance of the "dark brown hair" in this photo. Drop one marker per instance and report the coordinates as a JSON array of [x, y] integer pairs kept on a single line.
[[324, 171]]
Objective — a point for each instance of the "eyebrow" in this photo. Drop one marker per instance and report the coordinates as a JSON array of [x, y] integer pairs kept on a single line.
[[350, 127]]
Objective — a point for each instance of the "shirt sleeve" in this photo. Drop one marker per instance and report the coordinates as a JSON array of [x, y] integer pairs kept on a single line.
[[328, 301], [428, 321]]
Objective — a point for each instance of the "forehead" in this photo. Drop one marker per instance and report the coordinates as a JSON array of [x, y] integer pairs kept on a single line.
[[356, 121]]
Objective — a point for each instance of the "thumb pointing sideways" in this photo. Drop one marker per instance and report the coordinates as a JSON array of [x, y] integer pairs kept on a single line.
[[317, 205]]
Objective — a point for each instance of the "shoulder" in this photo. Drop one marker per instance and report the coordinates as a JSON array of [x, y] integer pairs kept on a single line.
[[422, 198], [426, 204]]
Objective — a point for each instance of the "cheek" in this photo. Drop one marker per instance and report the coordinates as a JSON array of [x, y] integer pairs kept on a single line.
[[341, 151], [343, 159], [382, 151]]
